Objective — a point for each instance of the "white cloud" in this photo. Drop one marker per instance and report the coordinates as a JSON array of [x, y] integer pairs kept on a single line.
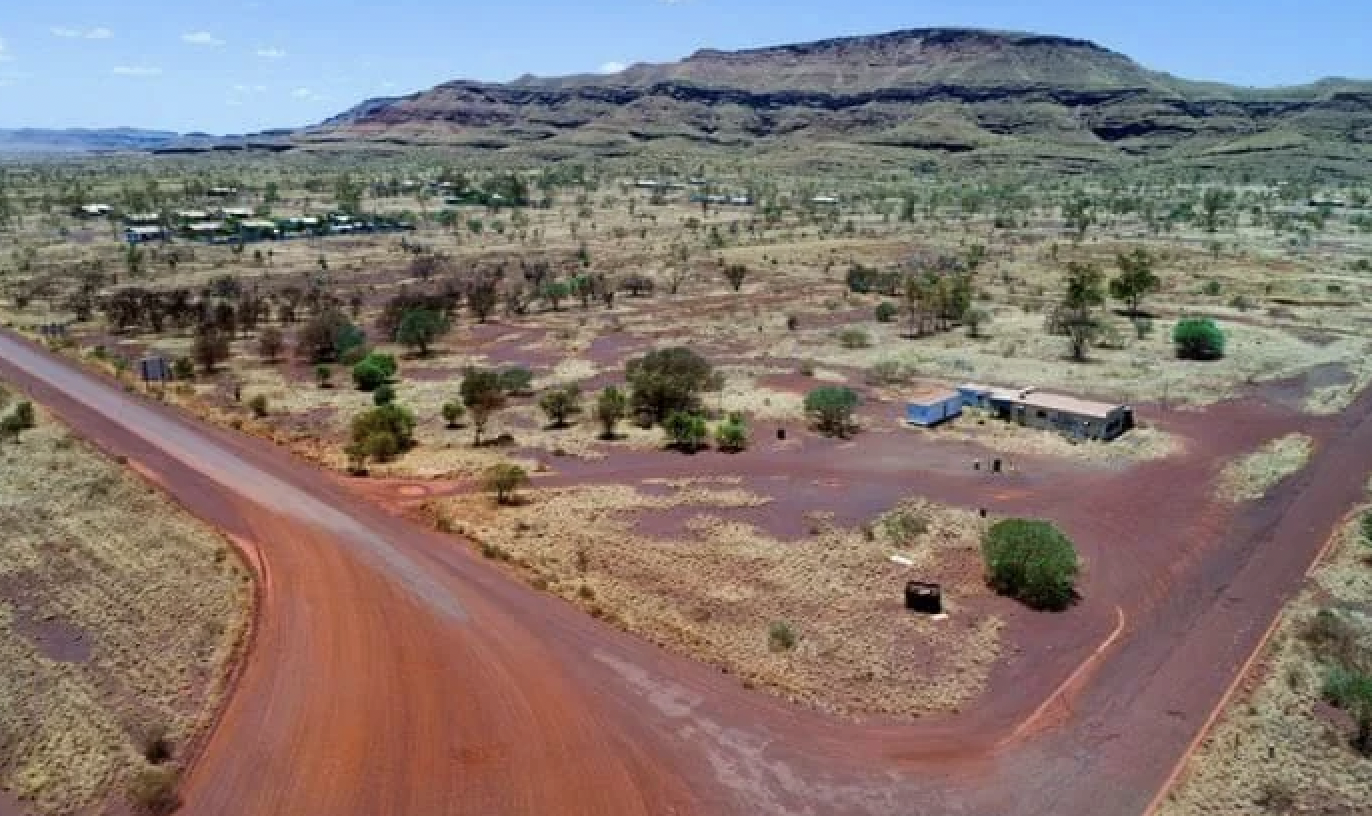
[[5, 56], [249, 89], [137, 70], [308, 95], [202, 38], [99, 33], [612, 67], [271, 53]]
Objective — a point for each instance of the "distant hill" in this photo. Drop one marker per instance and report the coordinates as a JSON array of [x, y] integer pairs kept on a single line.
[[36, 140], [972, 96]]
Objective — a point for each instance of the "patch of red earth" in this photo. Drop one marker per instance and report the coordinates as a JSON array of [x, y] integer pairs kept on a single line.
[[56, 639]]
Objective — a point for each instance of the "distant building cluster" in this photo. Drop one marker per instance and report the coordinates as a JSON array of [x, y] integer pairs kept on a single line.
[[1030, 407]]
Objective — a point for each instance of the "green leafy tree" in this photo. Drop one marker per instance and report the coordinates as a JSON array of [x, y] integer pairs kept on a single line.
[[555, 292], [380, 434], [483, 395], [419, 329], [610, 408], [686, 431], [385, 395], [666, 381], [1031, 561], [831, 408], [1198, 338], [560, 404], [1078, 312], [1136, 278], [503, 479], [1214, 203]]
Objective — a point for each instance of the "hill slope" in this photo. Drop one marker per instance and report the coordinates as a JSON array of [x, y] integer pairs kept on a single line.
[[988, 97]]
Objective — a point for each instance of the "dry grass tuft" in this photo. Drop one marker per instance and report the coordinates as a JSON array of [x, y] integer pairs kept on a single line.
[[1250, 477]]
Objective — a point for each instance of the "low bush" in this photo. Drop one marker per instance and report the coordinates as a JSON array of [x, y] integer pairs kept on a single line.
[[1198, 338], [1031, 561]]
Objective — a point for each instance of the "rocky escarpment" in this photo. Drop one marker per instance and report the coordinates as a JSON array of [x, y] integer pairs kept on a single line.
[[959, 91]]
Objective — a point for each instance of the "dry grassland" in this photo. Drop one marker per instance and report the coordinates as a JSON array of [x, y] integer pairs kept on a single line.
[[118, 617], [1280, 749], [714, 589], [1250, 476]]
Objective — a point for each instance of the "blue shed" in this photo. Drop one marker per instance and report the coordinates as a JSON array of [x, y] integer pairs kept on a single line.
[[932, 406]]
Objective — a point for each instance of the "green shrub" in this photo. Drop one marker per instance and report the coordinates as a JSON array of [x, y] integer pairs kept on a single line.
[[781, 637], [855, 339], [1198, 338], [152, 791], [560, 404], [381, 433], [610, 408], [258, 406], [385, 395], [886, 311], [686, 431], [831, 408], [24, 417], [368, 376], [453, 411], [732, 436], [1031, 561]]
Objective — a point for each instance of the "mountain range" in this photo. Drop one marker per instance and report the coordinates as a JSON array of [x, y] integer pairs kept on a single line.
[[944, 95]]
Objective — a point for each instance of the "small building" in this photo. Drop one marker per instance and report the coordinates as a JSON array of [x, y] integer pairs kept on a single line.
[[237, 212], [143, 219], [223, 192], [648, 184], [143, 235], [94, 210], [205, 230], [975, 395], [824, 201], [1079, 418], [933, 405], [741, 201], [191, 215], [258, 229]]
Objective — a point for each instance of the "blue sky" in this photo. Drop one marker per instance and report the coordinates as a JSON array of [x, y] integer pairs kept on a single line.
[[243, 65]]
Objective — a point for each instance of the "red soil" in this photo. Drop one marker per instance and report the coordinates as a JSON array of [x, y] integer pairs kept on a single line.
[[392, 672]]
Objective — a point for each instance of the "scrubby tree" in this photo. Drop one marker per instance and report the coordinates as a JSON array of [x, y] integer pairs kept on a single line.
[[420, 328], [384, 395], [831, 408], [453, 411], [886, 311], [483, 395], [517, 380], [610, 408], [561, 403], [327, 337], [1136, 278], [270, 343], [1214, 202], [735, 274], [1350, 688], [210, 348], [1031, 561], [1078, 214], [1077, 313], [503, 479], [974, 319], [666, 381], [687, 431], [1198, 338]]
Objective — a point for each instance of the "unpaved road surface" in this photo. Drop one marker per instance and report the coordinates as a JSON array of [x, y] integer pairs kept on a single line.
[[393, 673]]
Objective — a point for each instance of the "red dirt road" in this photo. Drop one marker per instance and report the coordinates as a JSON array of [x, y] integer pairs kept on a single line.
[[393, 673]]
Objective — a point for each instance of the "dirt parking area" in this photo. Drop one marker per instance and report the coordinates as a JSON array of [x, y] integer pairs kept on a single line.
[[119, 618]]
